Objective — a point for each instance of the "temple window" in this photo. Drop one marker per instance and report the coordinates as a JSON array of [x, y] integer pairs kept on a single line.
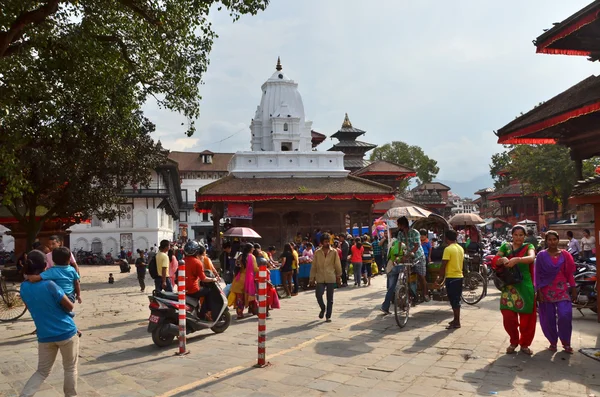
[[285, 126]]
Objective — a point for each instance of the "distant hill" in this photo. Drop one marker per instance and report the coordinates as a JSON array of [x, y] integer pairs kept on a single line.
[[468, 188]]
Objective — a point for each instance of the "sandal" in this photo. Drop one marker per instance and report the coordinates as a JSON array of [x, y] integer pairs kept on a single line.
[[526, 350], [453, 326], [552, 348], [511, 349], [568, 349]]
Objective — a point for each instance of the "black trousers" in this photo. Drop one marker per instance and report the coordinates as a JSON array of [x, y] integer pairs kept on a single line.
[[344, 272], [210, 301], [321, 287]]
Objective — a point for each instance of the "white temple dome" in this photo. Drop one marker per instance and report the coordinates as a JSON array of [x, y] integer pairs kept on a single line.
[[282, 139], [279, 122]]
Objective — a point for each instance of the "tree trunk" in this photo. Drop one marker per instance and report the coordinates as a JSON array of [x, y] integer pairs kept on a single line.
[[33, 229]]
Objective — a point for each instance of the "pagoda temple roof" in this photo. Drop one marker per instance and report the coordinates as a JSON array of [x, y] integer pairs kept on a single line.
[[355, 163], [544, 123], [484, 191], [317, 138], [350, 144], [431, 186], [588, 187], [233, 189], [576, 35], [347, 132], [382, 167], [513, 190]]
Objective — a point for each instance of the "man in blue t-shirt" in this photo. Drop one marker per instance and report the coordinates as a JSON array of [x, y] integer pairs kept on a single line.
[[56, 330]]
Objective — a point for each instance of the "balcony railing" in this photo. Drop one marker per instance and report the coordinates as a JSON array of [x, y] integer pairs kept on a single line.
[[146, 192]]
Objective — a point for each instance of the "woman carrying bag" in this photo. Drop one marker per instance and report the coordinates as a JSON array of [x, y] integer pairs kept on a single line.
[[514, 267]]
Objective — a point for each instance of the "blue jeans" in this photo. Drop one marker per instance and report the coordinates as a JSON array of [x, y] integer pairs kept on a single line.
[[158, 284], [392, 280]]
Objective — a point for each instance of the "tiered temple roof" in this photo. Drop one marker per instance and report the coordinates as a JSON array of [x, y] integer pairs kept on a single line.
[[354, 151]]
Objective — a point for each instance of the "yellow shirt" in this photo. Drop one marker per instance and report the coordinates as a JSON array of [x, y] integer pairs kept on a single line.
[[455, 255], [295, 262], [162, 262]]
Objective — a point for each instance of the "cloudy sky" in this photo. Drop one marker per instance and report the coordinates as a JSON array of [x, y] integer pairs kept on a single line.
[[439, 74]]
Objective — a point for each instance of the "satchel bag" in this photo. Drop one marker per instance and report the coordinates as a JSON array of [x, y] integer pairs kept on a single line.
[[510, 275]]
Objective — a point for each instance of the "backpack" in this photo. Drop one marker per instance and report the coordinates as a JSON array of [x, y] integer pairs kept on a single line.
[[152, 268]]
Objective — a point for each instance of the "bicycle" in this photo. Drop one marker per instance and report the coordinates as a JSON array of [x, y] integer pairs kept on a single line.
[[12, 306], [404, 297]]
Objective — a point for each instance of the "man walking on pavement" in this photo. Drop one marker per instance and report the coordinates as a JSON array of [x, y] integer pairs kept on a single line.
[[326, 270], [163, 282], [345, 247]]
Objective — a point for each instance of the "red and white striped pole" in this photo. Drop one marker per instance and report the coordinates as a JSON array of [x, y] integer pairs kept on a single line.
[[262, 316], [182, 312]]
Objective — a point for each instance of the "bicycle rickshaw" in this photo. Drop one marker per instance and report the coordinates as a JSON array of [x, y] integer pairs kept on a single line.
[[407, 293]]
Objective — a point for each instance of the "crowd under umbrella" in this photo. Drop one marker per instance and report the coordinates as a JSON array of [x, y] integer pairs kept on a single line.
[[242, 232]]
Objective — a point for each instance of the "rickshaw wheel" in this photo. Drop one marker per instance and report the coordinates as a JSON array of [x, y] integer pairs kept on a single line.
[[473, 288], [401, 305]]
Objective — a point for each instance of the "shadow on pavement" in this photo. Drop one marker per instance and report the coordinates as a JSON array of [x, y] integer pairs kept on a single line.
[[214, 382], [294, 329], [421, 344], [18, 341]]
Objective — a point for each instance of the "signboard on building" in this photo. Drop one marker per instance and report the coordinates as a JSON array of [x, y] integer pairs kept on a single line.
[[238, 211]]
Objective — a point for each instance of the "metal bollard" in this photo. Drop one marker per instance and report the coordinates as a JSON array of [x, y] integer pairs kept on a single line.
[[262, 316], [182, 312]]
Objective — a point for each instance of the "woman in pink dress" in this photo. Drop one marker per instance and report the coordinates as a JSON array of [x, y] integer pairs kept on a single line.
[[554, 269], [173, 266]]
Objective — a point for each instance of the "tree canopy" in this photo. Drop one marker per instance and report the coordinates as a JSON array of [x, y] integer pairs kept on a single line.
[[74, 75], [413, 157], [543, 169], [500, 162]]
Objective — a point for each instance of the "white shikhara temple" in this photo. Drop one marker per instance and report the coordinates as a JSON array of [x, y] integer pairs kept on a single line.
[[281, 138], [288, 186]]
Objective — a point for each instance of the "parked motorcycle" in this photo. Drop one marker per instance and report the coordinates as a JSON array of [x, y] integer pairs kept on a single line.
[[587, 288], [164, 318]]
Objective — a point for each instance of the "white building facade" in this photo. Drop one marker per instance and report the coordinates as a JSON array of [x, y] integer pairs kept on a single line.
[[462, 206], [149, 217], [197, 170]]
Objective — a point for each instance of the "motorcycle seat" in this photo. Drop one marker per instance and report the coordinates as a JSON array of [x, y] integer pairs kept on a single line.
[[173, 296]]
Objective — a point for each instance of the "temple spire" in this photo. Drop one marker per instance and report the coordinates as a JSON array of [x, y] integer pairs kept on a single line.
[[278, 67], [346, 123]]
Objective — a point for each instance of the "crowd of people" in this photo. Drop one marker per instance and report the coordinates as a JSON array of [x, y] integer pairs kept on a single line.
[[532, 282]]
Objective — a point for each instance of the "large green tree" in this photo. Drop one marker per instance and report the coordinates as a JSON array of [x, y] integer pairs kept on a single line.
[[410, 156], [74, 75], [500, 162], [545, 170]]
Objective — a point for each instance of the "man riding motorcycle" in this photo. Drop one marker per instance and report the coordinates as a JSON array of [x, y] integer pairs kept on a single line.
[[195, 278]]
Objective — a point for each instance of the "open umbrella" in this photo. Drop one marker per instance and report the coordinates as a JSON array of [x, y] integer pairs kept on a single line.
[[410, 212], [527, 222], [465, 220], [245, 232]]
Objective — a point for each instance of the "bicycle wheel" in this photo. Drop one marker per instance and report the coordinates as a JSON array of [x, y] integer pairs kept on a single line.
[[12, 306], [473, 288], [401, 304]]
